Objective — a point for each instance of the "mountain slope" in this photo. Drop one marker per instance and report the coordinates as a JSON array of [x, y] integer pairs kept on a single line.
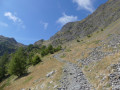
[[91, 62], [101, 18], [8, 45]]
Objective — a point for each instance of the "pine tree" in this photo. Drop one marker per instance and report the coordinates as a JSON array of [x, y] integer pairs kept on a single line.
[[17, 65], [3, 61]]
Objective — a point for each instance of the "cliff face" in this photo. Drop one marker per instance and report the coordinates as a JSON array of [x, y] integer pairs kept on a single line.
[[101, 18]]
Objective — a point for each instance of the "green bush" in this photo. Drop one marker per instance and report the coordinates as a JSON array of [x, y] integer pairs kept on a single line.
[[36, 59], [44, 52], [50, 50], [58, 49], [89, 36], [50, 47], [17, 65], [78, 40], [102, 29]]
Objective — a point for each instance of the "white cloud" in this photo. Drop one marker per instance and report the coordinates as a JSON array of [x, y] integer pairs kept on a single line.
[[85, 4], [11, 16], [15, 19], [3, 24], [65, 19], [44, 24]]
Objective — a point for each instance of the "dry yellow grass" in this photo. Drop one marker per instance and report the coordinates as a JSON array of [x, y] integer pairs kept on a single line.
[[99, 70], [77, 50], [39, 72]]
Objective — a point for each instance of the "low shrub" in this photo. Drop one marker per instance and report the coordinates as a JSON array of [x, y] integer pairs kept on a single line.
[[36, 59]]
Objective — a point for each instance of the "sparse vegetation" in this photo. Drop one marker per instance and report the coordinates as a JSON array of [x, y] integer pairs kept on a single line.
[[7, 83], [97, 31], [96, 42], [78, 40], [28, 79], [109, 35], [68, 50], [63, 56], [89, 35], [102, 29]]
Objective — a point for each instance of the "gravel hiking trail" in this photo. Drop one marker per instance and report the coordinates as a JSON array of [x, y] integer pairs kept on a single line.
[[73, 77]]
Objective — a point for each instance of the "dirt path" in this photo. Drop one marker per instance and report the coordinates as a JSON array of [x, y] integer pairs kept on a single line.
[[73, 78]]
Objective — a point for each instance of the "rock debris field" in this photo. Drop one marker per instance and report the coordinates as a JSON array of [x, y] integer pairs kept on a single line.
[[73, 78]]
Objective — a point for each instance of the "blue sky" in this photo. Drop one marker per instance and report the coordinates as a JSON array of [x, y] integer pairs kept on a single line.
[[30, 20]]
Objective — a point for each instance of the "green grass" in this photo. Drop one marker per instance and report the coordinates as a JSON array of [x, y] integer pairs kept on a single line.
[[7, 83], [86, 67], [96, 42], [67, 50], [109, 35], [63, 56], [108, 85], [28, 79], [97, 31], [89, 35], [102, 29]]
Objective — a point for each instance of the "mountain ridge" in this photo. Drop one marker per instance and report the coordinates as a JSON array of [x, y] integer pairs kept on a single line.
[[8, 45], [105, 14]]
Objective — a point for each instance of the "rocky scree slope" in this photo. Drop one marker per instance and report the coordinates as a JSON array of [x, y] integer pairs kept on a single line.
[[73, 78], [100, 19], [97, 54]]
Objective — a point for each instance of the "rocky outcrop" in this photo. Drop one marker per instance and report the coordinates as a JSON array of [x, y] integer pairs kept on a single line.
[[101, 18], [115, 77], [95, 55], [40, 42]]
